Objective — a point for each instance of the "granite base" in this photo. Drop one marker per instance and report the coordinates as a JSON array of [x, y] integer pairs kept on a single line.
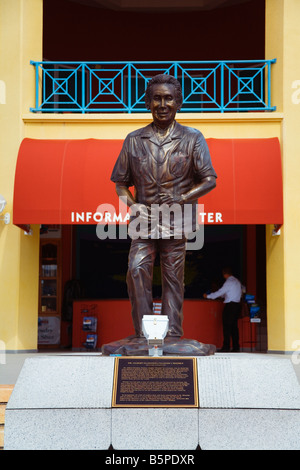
[[65, 402]]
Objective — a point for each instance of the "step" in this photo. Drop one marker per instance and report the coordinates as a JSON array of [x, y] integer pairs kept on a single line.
[[2, 413], [5, 392], [1, 437]]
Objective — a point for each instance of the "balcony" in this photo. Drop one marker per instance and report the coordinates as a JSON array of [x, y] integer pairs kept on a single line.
[[119, 87]]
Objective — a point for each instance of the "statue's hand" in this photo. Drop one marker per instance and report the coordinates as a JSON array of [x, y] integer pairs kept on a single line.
[[169, 199]]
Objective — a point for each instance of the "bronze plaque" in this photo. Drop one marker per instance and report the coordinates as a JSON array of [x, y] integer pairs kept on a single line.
[[155, 382]]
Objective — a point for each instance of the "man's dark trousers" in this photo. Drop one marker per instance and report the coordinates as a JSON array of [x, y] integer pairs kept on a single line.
[[231, 315]]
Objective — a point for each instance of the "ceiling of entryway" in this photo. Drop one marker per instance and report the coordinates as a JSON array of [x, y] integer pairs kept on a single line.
[[159, 5]]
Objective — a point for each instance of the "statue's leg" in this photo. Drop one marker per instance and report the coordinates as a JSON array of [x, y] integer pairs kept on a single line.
[[172, 258], [139, 280]]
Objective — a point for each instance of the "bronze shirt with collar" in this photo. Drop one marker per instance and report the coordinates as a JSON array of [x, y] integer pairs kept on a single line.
[[173, 165]]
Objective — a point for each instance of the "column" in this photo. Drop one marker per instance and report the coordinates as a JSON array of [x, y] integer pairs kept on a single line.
[[20, 41], [283, 253]]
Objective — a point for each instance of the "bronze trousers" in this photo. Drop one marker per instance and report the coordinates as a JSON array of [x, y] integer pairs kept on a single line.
[[139, 281]]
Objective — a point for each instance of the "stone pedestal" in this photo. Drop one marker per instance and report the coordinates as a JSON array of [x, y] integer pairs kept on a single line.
[[64, 402]]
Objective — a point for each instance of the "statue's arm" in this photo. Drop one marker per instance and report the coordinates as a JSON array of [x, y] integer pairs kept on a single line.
[[123, 192], [205, 186]]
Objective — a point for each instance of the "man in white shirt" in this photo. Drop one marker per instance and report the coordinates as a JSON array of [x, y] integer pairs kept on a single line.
[[231, 291]]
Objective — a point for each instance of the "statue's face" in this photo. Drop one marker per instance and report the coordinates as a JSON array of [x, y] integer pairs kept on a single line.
[[163, 104]]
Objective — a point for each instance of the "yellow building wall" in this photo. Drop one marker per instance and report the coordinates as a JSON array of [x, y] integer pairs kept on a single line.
[[117, 126], [20, 40], [283, 253]]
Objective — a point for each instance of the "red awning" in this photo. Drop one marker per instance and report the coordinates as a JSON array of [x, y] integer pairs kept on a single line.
[[65, 182]]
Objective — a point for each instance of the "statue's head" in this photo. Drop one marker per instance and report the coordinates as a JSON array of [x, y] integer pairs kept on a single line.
[[163, 79], [164, 99]]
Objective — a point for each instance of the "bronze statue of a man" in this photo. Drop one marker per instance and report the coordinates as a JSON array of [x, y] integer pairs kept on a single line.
[[168, 164]]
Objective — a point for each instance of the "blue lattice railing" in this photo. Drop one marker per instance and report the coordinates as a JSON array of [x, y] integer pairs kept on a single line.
[[87, 87]]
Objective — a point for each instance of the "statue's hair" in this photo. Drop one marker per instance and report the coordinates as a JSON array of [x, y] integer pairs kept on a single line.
[[167, 80]]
